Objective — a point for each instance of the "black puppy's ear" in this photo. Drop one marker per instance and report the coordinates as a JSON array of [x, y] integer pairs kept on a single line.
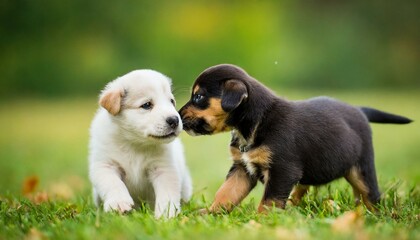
[[233, 94]]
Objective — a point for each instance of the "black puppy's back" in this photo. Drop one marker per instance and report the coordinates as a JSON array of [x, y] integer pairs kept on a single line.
[[330, 137], [322, 139]]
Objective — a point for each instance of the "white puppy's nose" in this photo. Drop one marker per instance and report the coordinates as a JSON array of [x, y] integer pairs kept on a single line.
[[173, 121]]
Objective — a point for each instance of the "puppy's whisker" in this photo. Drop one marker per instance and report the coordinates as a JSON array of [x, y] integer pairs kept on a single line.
[[183, 91]]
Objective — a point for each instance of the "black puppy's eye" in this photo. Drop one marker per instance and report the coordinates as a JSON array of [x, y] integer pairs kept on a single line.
[[147, 106], [197, 98]]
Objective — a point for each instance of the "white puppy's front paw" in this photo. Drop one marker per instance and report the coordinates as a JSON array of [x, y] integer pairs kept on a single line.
[[121, 205], [169, 211]]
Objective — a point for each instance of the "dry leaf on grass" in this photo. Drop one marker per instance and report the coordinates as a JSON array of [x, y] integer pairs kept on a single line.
[[40, 197], [76, 183], [184, 220], [253, 224], [331, 206], [61, 190], [28, 189], [29, 185], [288, 234], [35, 234], [64, 190], [349, 221]]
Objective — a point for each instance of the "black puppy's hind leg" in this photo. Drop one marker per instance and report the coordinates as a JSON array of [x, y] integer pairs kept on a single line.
[[367, 169], [364, 183]]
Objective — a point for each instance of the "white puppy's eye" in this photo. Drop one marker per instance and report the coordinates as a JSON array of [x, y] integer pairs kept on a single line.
[[173, 102], [147, 106]]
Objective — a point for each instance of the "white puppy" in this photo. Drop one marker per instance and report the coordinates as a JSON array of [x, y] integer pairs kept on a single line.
[[135, 155]]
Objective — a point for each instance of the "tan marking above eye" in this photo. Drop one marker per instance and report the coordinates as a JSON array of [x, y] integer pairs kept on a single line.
[[196, 88]]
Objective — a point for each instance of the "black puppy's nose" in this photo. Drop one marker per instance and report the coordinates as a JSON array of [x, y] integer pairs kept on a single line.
[[173, 121]]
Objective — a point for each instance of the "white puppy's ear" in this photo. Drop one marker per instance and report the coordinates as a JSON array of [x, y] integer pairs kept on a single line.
[[111, 98]]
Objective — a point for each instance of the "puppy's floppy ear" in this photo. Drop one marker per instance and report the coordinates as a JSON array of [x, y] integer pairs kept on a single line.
[[111, 98], [233, 94]]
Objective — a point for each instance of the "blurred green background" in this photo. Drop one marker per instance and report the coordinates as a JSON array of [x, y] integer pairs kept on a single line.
[[55, 57], [56, 48]]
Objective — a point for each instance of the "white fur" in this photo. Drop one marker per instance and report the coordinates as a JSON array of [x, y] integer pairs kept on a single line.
[[127, 165]]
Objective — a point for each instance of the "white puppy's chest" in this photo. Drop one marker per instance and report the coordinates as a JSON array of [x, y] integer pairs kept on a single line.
[[135, 175]]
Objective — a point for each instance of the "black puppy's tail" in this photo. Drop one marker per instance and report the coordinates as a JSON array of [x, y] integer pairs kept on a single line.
[[377, 116]]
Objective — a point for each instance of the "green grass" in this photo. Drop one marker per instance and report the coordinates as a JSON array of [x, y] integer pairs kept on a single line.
[[48, 139]]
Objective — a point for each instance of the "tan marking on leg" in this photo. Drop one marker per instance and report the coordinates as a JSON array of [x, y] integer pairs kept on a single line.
[[297, 193], [235, 154], [360, 190], [232, 192], [260, 156], [266, 176]]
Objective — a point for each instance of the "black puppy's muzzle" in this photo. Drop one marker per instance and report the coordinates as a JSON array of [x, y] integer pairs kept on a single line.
[[198, 126]]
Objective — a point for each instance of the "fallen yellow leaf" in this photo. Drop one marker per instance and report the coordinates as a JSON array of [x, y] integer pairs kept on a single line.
[[35, 234], [349, 221], [29, 185]]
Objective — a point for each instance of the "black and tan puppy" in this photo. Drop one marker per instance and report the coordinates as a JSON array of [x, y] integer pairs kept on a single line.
[[287, 145]]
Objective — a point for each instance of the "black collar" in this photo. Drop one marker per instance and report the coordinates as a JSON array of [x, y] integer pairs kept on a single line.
[[244, 148]]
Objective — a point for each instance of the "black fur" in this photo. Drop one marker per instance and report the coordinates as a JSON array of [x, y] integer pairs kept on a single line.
[[313, 141], [377, 116]]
